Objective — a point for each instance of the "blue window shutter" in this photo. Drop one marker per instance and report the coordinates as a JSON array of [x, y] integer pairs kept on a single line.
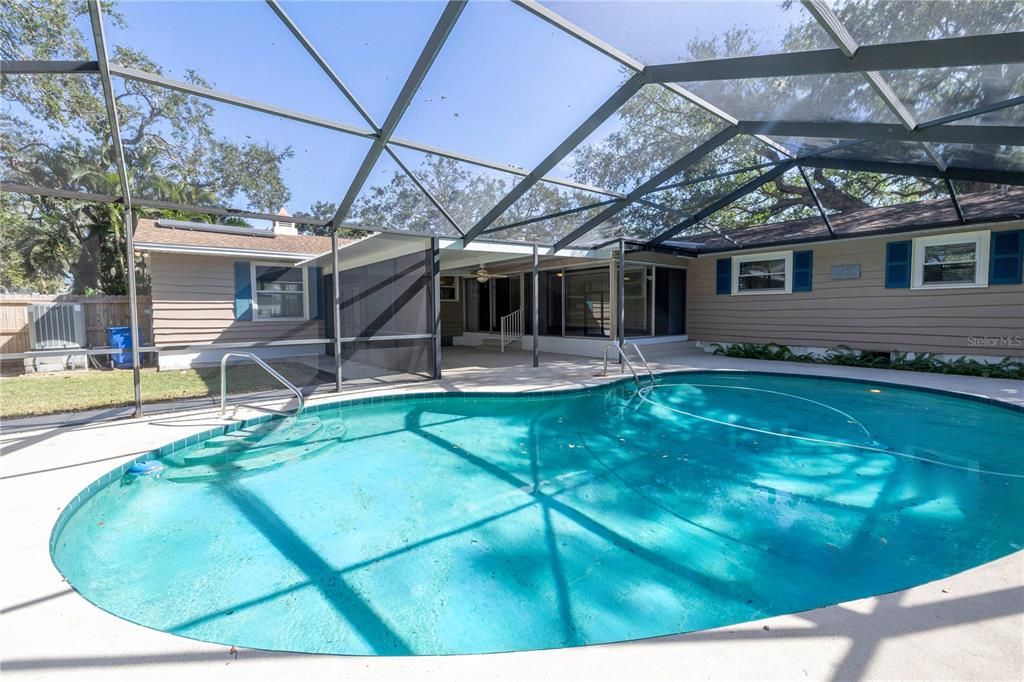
[[723, 276], [802, 270], [897, 265], [243, 290], [1007, 254], [316, 299]]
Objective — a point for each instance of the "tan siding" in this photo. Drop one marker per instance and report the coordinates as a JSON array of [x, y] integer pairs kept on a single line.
[[194, 302], [860, 313]]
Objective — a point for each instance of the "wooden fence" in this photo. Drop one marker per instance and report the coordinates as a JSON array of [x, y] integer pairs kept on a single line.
[[100, 312]]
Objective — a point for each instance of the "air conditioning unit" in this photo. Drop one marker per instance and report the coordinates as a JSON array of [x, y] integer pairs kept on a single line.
[[55, 326]]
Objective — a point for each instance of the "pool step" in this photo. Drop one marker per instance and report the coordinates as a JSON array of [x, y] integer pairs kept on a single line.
[[277, 431], [235, 464], [251, 449], [220, 471], [254, 440]]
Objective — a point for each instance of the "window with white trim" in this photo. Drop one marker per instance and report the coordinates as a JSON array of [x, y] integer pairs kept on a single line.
[[280, 293], [763, 273], [951, 260]]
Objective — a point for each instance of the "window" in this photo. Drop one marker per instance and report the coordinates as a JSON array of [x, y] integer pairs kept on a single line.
[[280, 293], [951, 260], [587, 302], [763, 273], [950, 263], [655, 300], [552, 286], [637, 281], [449, 288]]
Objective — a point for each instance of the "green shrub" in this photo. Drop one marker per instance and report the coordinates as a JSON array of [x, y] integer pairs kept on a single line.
[[1007, 368], [842, 355], [756, 351]]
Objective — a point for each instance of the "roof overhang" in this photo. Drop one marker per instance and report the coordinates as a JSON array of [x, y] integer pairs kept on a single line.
[[948, 226], [454, 252], [217, 251], [372, 249]]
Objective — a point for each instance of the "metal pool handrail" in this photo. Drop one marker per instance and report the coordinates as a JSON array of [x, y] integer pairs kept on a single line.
[[625, 361], [642, 358], [270, 370]]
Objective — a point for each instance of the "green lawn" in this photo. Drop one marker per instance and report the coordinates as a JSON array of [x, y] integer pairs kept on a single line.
[[34, 394]]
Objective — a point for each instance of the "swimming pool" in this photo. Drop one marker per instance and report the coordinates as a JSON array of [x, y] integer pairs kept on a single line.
[[456, 523]]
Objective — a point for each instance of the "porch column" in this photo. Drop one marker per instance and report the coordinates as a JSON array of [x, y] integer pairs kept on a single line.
[[435, 296], [336, 310], [621, 297], [535, 310]]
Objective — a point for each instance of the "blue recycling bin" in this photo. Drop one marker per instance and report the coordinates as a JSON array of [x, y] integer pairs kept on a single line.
[[121, 339]]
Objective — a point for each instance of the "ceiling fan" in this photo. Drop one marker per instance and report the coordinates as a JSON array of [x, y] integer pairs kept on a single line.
[[482, 275]]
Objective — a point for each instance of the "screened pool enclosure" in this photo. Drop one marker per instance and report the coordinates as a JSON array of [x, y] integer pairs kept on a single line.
[[538, 130]]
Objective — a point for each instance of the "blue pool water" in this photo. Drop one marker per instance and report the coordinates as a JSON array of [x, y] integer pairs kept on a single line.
[[460, 524]]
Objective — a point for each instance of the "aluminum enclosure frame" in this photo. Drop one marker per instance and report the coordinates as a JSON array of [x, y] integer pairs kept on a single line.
[[847, 57]]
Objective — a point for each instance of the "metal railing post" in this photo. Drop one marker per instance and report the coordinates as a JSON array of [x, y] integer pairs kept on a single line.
[[435, 296], [336, 310], [100, 41], [535, 312], [133, 305], [621, 296]]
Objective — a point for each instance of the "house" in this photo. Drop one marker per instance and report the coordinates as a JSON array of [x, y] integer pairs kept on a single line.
[[217, 286], [910, 277]]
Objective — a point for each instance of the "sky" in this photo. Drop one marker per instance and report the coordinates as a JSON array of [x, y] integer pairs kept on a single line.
[[506, 87]]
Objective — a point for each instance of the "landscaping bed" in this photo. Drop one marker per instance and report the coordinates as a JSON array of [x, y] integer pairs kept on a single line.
[[1007, 368]]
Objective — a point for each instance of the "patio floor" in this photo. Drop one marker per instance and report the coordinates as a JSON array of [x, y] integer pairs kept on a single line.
[[967, 626]]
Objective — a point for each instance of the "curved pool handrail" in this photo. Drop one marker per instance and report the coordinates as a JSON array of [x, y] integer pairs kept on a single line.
[[642, 358], [271, 371], [625, 361]]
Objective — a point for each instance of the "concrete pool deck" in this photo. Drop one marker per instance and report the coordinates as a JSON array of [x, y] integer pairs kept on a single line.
[[969, 626]]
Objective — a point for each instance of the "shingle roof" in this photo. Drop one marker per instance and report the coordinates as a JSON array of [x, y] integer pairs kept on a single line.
[[977, 207], [148, 232]]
